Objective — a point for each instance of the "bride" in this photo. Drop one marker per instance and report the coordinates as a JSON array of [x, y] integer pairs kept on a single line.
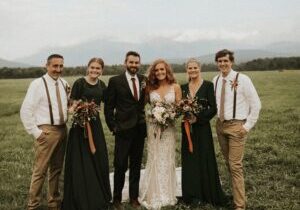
[[159, 183]]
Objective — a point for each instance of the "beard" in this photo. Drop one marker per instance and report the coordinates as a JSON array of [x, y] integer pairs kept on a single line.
[[132, 70]]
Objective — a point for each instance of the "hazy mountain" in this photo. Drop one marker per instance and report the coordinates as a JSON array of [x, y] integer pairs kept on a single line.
[[289, 48], [240, 56], [176, 52], [113, 52], [11, 64]]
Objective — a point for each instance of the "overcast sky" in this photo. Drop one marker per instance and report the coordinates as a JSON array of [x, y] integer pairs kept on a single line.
[[28, 26]]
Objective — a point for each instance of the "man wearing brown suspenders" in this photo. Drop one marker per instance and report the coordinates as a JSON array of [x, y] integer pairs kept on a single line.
[[238, 110], [44, 115]]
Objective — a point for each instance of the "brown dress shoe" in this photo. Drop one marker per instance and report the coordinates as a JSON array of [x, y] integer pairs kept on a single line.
[[135, 203], [118, 205]]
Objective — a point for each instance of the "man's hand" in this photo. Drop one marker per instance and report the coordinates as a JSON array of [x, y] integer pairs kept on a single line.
[[43, 134], [73, 107]]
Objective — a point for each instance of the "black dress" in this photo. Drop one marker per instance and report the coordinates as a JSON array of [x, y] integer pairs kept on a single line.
[[86, 180], [200, 176]]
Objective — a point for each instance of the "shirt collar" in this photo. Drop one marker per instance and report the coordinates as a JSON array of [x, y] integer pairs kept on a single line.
[[230, 76], [50, 79], [129, 76]]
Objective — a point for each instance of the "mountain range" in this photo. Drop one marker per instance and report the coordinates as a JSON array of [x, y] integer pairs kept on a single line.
[[12, 64], [113, 52]]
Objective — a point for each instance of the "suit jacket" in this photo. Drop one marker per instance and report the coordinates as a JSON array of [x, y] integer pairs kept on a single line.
[[121, 110]]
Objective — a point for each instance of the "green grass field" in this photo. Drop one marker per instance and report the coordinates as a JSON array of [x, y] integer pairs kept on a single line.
[[271, 162]]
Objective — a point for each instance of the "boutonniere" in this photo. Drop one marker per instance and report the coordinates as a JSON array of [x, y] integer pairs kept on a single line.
[[234, 84], [68, 89], [143, 84]]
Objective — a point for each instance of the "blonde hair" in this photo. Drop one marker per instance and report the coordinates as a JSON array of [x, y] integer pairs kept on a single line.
[[193, 60]]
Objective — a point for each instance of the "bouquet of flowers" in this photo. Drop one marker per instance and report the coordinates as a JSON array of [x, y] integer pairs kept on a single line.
[[162, 114], [84, 112], [187, 107]]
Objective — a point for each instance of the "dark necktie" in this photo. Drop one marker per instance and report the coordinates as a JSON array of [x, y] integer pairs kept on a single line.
[[135, 94]]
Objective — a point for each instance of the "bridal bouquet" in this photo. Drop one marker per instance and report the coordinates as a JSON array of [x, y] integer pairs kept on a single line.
[[187, 107], [162, 114], [84, 112]]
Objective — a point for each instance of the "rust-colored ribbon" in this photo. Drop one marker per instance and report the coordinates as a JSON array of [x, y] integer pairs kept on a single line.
[[90, 137], [187, 127]]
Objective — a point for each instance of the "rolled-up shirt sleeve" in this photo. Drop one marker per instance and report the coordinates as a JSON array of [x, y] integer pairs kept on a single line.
[[31, 101]]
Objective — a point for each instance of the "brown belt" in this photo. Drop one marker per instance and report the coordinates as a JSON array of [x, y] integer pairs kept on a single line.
[[233, 120], [59, 126]]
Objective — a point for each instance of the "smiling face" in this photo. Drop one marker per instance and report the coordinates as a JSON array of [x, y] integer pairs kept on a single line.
[[160, 71], [193, 70], [94, 70], [55, 67], [224, 64], [132, 64]]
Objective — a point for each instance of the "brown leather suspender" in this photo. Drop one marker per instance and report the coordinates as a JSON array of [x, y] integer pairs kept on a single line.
[[65, 87], [216, 85], [234, 94], [49, 101]]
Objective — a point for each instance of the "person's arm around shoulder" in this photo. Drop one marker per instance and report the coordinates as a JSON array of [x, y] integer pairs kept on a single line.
[[214, 81], [110, 104], [75, 95], [253, 101], [104, 87], [65, 83], [29, 105], [178, 93]]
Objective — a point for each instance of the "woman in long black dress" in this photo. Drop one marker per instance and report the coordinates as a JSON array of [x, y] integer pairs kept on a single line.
[[86, 179], [200, 177]]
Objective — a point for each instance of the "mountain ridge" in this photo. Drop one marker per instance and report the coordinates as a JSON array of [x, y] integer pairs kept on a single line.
[[113, 52]]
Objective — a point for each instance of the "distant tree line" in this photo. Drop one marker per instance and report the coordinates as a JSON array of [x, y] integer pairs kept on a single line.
[[263, 64]]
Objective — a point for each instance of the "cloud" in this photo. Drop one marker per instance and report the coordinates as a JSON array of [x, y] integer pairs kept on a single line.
[[30, 25]]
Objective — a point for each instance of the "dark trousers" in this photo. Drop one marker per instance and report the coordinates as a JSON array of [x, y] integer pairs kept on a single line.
[[129, 145]]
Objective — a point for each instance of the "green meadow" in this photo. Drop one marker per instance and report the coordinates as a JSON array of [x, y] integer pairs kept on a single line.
[[271, 161]]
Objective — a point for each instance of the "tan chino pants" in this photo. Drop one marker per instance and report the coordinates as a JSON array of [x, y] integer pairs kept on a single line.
[[232, 137], [49, 156]]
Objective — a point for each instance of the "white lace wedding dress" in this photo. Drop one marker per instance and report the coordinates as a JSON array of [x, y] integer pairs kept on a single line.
[[158, 186]]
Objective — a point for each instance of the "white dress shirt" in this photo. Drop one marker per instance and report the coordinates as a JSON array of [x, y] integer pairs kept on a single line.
[[248, 103], [35, 107], [137, 83]]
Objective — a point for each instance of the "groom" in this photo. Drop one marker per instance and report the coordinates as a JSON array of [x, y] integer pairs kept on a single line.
[[125, 117]]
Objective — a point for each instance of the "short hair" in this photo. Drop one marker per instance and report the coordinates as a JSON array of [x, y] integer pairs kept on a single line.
[[134, 53], [54, 56], [223, 53], [97, 60], [193, 60]]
